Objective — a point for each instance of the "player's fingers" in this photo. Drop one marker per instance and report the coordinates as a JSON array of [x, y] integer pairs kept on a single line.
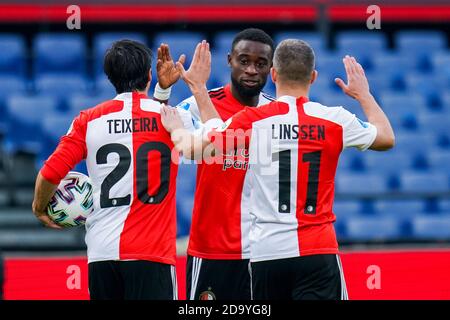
[[180, 69], [48, 222], [341, 84], [353, 65], [167, 49], [182, 59], [195, 58], [159, 54], [158, 64], [347, 66]]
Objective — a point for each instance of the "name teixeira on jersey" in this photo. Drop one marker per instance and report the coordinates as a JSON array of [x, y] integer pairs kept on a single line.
[[302, 132], [132, 125]]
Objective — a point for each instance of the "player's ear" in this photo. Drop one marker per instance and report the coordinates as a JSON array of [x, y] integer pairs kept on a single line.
[[229, 59], [313, 76], [273, 74]]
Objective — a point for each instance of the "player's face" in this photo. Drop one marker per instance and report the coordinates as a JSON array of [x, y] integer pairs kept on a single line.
[[250, 64]]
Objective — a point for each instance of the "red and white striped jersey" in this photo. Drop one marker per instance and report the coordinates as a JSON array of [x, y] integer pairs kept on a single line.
[[294, 147], [128, 155], [220, 219]]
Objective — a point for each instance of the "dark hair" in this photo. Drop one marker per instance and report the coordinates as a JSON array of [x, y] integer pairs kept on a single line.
[[253, 34], [127, 65], [294, 61]]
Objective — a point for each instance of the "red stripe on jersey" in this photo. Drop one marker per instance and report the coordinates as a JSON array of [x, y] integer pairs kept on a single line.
[[72, 147], [317, 163], [149, 232]]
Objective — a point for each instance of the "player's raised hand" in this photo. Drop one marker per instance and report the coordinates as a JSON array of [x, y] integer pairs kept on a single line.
[[170, 119], [198, 73], [357, 85], [166, 69]]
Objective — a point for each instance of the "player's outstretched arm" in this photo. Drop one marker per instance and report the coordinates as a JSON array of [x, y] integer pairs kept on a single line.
[[357, 87], [167, 72], [196, 77], [43, 192], [192, 146]]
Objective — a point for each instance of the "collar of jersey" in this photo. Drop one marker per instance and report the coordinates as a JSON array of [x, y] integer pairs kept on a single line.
[[128, 96], [292, 99]]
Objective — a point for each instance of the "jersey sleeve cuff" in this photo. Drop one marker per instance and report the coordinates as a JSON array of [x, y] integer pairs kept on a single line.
[[50, 174]]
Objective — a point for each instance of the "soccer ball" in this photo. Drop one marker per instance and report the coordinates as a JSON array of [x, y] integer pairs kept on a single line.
[[72, 202]]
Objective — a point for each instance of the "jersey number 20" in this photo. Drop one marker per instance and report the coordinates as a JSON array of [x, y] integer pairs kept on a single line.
[[141, 173]]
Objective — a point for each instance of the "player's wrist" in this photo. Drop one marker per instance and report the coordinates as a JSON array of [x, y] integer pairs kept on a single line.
[[162, 94], [364, 97]]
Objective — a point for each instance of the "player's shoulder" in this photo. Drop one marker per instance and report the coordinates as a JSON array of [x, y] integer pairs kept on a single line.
[[273, 108], [217, 93], [103, 108], [265, 98], [336, 114]]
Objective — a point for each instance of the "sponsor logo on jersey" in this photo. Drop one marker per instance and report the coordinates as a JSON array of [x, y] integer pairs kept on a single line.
[[225, 125], [207, 295], [184, 105]]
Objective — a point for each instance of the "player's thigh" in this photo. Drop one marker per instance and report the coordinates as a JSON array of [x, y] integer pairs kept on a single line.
[[319, 277], [271, 280], [105, 281], [147, 280], [217, 279]]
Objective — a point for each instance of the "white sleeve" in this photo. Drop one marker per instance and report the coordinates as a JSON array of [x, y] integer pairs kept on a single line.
[[357, 133], [190, 105]]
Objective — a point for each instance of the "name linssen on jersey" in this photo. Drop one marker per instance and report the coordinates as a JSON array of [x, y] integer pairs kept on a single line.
[[132, 125], [302, 132]]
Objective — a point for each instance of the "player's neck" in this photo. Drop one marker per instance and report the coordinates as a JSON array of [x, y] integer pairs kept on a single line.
[[292, 91], [245, 101]]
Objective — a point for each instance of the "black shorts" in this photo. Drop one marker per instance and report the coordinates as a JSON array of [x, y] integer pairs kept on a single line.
[[217, 279], [132, 280], [316, 277]]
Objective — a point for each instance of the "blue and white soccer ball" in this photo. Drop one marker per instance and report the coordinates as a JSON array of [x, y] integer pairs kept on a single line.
[[73, 201]]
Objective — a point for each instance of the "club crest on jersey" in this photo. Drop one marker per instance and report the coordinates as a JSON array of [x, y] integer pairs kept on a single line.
[[207, 295], [362, 123]]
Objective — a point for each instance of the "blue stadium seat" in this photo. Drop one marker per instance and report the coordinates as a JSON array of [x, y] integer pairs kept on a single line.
[[431, 227], [387, 163], [412, 181], [402, 103], [429, 86], [435, 123], [444, 205], [361, 44], [54, 126], [61, 86], [103, 41], [414, 142], [374, 228], [179, 43], [104, 87], [393, 67], [184, 213], [220, 70], [223, 40], [13, 57], [332, 66], [59, 53], [25, 114], [441, 68], [322, 86], [419, 44], [315, 39], [400, 208], [351, 159], [347, 208], [361, 183], [9, 85], [439, 160], [79, 102]]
